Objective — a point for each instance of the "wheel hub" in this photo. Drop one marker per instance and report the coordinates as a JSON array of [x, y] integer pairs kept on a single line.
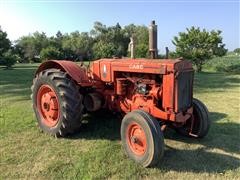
[[48, 106], [136, 139]]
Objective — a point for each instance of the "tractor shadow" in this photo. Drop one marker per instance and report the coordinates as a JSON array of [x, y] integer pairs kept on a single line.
[[103, 125], [199, 160], [222, 137]]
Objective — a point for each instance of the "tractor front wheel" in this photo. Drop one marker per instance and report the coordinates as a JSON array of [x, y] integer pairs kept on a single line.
[[142, 138], [198, 125], [57, 102]]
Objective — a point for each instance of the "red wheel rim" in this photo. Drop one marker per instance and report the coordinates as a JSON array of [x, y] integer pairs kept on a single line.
[[48, 105], [136, 139]]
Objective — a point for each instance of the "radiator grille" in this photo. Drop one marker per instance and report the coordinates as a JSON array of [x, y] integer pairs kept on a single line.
[[184, 90]]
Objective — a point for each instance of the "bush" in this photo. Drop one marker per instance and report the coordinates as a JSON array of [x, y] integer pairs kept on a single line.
[[229, 64], [237, 50], [235, 68], [8, 59], [50, 53]]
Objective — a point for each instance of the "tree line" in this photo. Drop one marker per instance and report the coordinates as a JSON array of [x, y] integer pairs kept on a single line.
[[101, 41], [107, 42]]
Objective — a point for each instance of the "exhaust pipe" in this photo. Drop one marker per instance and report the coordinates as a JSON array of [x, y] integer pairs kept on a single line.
[[153, 40]]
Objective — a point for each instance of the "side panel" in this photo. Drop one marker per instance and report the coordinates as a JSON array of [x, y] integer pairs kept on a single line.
[[95, 70], [168, 92], [105, 71]]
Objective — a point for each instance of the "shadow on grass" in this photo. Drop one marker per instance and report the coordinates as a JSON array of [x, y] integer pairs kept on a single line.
[[197, 161], [103, 125], [223, 137], [16, 83]]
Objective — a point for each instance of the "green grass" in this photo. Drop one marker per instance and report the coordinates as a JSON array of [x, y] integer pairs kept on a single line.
[[96, 152]]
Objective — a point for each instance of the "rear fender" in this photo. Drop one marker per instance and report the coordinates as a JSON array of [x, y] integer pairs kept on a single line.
[[77, 73]]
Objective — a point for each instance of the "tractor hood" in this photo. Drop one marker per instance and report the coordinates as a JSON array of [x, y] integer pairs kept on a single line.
[[105, 68]]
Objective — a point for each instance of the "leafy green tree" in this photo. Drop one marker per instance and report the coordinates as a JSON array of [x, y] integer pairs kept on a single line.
[[140, 34], [103, 50], [58, 40], [18, 51], [5, 43], [172, 55], [199, 45], [8, 59], [102, 41], [98, 29], [77, 45], [109, 41], [50, 52], [28, 48], [32, 45], [237, 50]]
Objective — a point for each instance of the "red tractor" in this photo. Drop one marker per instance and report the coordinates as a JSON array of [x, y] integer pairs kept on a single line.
[[150, 93]]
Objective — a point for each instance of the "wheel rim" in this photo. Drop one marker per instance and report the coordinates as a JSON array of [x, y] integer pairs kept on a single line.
[[136, 139], [48, 105]]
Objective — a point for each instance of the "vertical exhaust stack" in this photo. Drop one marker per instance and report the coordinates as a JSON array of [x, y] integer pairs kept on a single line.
[[153, 40]]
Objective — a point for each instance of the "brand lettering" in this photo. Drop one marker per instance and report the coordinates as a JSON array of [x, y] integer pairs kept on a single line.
[[136, 66]]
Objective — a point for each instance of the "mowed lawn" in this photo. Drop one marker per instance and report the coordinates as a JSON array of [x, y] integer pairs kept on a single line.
[[96, 152]]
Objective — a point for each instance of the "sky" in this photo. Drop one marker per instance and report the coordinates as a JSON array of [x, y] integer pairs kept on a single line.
[[20, 18]]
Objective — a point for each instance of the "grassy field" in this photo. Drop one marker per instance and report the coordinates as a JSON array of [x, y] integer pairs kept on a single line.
[[96, 152]]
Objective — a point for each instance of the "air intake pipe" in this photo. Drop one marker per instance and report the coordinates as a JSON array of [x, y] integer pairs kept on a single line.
[[153, 40]]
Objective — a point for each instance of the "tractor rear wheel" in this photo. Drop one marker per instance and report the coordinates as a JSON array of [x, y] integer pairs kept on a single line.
[[142, 138], [57, 102], [198, 125]]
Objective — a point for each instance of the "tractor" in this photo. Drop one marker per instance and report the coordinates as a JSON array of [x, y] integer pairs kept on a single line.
[[151, 94]]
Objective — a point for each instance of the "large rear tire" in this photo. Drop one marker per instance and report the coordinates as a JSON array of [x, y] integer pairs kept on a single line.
[[142, 138], [200, 120], [57, 102]]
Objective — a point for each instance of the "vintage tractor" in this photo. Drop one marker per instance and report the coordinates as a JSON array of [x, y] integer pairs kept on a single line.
[[150, 93]]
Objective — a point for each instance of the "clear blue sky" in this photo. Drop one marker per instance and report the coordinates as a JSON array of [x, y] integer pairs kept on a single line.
[[23, 17]]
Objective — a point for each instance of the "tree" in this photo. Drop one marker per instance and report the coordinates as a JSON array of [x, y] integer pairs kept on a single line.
[[199, 45], [77, 45], [6, 54], [109, 41], [5, 43], [237, 50], [140, 34], [50, 53], [32, 45], [18, 51], [8, 59], [58, 40], [103, 50]]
